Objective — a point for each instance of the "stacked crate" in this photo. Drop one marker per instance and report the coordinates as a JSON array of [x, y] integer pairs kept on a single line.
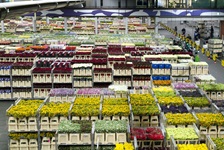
[[141, 72], [6, 80], [102, 76], [180, 72], [161, 70], [62, 95], [82, 75], [198, 68], [122, 74], [62, 75], [21, 79], [23, 128], [42, 81], [215, 47]]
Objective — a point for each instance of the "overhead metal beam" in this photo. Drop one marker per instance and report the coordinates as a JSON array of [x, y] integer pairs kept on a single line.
[[13, 9], [214, 18]]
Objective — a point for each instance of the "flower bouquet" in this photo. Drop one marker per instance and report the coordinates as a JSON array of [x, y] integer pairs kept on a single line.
[[197, 101], [190, 93], [125, 146], [25, 108], [219, 142], [87, 101], [115, 101], [78, 126], [170, 100], [181, 133], [18, 136], [142, 99], [192, 146], [85, 110], [150, 133], [103, 126], [115, 110], [180, 119], [145, 110], [52, 109], [62, 92], [210, 119], [174, 109]]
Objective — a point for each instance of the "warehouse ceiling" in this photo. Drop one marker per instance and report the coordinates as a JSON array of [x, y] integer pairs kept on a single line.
[[16, 9]]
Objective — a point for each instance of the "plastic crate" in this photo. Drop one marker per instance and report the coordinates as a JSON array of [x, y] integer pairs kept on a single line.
[[94, 118], [23, 144], [157, 143], [85, 118], [145, 121], [203, 132], [53, 143], [116, 118], [46, 144], [22, 124], [154, 121], [75, 118], [74, 138], [54, 122], [121, 137], [33, 145], [63, 138], [221, 131], [99, 138], [213, 131], [32, 124], [85, 138], [110, 138], [44, 123], [136, 121], [14, 144], [12, 124]]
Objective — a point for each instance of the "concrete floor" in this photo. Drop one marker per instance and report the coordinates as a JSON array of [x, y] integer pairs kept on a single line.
[[215, 69], [3, 124]]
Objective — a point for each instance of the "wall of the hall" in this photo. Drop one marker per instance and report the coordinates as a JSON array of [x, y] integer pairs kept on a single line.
[[111, 3]]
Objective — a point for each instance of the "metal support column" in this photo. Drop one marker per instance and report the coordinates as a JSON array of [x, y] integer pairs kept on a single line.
[[35, 22], [96, 25], [156, 24], [149, 21], [2, 26], [95, 3], [47, 20], [66, 24], [21, 19], [126, 25], [143, 19], [73, 21]]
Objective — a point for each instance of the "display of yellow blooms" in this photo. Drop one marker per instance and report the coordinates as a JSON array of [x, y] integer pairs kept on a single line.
[[25, 108], [87, 101], [52, 109], [85, 110], [163, 89], [116, 110], [180, 119], [170, 100], [115, 101], [192, 147], [18, 136], [125, 146], [209, 119], [142, 99]]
